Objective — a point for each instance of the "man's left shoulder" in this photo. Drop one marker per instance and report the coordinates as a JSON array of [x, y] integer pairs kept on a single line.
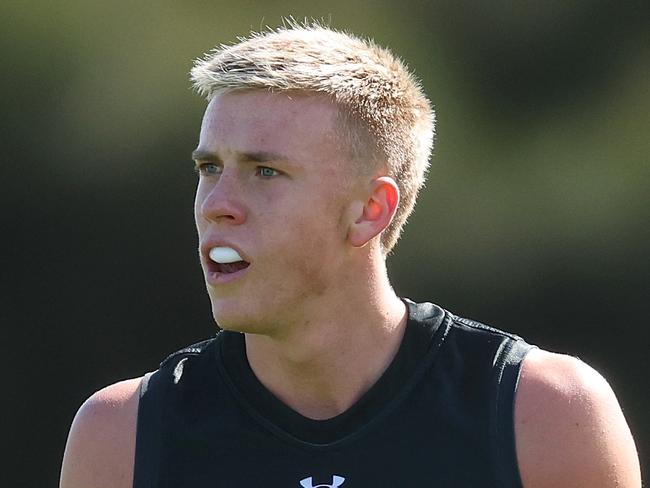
[[570, 430]]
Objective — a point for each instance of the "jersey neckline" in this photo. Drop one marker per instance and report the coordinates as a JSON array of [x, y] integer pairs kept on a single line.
[[422, 338]]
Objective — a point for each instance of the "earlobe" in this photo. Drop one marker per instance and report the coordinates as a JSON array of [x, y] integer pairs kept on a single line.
[[376, 212]]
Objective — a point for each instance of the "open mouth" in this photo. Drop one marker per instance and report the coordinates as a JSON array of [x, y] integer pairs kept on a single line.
[[227, 268], [226, 260]]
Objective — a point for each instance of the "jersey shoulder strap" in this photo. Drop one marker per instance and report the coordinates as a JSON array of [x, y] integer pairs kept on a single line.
[[505, 359], [153, 390], [507, 369]]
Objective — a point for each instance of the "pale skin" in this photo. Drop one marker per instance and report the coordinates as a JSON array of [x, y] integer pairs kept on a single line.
[[570, 430]]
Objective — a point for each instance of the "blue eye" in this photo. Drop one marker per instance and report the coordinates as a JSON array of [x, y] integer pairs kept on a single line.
[[267, 172], [208, 169]]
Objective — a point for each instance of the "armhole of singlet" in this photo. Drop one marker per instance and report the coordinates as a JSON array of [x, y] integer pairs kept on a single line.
[[502, 415], [148, 434]]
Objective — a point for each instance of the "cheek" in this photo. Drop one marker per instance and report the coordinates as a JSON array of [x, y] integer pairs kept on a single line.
[[314, 256], [198, 198], [306, 242], [202, 192], [311, 269]]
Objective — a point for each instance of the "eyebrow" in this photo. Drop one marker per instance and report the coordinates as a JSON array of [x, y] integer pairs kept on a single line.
[[254, 157]]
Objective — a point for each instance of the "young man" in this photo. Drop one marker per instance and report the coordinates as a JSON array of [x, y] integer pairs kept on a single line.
[[312, 150]]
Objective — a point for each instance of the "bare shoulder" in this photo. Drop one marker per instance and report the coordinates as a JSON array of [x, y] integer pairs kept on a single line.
[[101, 443], [570, 430]]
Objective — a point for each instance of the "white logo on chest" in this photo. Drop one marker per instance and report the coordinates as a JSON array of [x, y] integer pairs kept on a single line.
[[336, 482]]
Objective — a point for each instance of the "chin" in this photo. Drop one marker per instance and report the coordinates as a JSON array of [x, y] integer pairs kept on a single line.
[[252, 311], [233, 316]]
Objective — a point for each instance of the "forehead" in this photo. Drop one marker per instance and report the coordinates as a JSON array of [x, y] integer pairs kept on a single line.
[[301, 127]]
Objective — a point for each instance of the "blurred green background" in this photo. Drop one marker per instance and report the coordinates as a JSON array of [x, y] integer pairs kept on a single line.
[[534, 219]]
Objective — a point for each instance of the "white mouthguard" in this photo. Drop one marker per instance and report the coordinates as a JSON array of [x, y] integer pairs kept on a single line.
[[224, 255]]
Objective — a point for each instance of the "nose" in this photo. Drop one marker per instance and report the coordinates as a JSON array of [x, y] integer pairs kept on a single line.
[[220, 201]]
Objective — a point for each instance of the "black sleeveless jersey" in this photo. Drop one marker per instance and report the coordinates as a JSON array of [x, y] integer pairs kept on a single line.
[[441, 415]]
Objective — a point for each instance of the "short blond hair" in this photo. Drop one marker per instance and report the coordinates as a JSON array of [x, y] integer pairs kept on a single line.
[[381, 101]]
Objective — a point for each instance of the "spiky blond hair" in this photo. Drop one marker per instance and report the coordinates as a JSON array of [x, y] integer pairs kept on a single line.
[[385, 116]]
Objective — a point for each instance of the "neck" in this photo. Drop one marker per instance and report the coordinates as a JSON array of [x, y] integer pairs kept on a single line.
[[338, 351]]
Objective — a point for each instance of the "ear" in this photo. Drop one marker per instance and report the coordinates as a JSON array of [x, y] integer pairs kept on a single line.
[[375, 212]]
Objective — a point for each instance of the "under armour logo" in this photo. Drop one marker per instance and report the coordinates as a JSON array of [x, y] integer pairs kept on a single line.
[[336, 482]]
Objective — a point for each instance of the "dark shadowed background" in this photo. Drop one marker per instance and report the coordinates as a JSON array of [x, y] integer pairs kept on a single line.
[[534, 219]]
